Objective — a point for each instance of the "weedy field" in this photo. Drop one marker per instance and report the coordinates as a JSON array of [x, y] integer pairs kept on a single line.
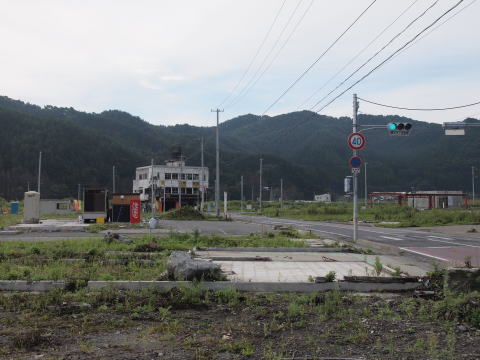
[[144, 258], [402, 215], [190, 323]]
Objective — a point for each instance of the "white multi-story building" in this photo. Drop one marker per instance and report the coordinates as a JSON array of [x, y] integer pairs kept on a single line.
[[173, 183]]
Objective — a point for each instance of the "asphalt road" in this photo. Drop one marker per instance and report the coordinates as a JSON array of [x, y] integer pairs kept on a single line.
[[452, 248]]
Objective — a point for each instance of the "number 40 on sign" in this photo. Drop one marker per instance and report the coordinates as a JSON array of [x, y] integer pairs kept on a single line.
[[356, 141]]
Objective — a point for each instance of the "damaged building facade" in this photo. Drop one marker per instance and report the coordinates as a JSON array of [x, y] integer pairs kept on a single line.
[[174, 184]]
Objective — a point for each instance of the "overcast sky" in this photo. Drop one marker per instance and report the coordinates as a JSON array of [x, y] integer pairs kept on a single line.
[[170, 62]]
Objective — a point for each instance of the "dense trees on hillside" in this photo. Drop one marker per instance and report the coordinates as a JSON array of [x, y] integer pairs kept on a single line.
[[307, 150]]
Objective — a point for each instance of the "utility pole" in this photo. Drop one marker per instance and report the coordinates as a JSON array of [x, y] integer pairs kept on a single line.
[[152, 192], [252, 194], [180, 182], [217, 167], [113, 179], [241, 193], [366, 193], [355, 175], [260, 195], [202, 188], [473, 185], [281, 193], [39, 170], [78, 194]]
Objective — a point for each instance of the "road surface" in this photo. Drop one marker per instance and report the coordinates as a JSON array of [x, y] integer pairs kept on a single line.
[[455, 249]]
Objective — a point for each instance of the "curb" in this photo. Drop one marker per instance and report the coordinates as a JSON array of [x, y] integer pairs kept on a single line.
[[254, 249], [31, 286], [378, 246], [259, 286]]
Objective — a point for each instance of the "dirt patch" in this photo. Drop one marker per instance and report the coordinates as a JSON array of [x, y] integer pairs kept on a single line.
[[186, 324]]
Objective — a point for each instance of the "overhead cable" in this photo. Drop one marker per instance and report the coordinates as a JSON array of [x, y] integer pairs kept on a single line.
[[421, 109], [377, 53], [438, 25], [255, 56], [392, 55], [280, 49], [320, 57], [252, 80], [357, 55]]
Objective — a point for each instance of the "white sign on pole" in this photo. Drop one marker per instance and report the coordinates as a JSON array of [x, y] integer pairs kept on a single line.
[[355, 170], [356, 141]]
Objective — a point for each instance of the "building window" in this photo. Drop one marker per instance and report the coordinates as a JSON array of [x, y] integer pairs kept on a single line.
[[189, 176], [189, 191], [168, 176], [184, 191], [62, 206], [175, 176], [195, 177], [183, 177], [174, 190], [204, 177], [168, 190]]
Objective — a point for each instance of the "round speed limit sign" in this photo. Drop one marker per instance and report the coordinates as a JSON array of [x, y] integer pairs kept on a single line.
[[356, 141]]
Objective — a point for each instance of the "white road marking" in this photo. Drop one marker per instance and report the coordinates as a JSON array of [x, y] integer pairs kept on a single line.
[[391, 238], [455, 243], [423, 254], [439, 237]]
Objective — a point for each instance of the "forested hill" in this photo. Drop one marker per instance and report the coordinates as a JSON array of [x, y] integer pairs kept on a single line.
[[307, 150]]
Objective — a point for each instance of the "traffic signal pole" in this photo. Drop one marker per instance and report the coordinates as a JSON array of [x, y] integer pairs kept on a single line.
[[355, 174]]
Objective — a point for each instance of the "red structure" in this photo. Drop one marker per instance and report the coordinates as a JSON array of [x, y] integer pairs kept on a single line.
[[402, 197]]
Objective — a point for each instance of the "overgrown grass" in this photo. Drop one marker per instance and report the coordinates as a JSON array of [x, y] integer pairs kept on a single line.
[[97, 259], [9, 220], [187, 213], [402, 215], [242, 324]]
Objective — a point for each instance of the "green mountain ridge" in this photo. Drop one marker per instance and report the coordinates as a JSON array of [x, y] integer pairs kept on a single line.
[[309, 151]]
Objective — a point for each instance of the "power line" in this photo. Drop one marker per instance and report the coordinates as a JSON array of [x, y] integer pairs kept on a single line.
[[255, 56], [252, 80], [279, 50], [320, 57], [440, 24], [377, 53], [392, 55], [357, 55], [421, 109]]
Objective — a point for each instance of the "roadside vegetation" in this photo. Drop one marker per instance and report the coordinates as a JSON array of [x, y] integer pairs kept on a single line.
[[144, 258], [187, 213], [398, 216], [191, 323], [9, 220]]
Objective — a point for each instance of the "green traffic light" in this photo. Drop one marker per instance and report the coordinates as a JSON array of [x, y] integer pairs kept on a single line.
[[392, 126]]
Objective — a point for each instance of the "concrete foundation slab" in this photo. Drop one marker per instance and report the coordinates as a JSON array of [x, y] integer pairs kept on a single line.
[[49, 225], [290, 271], [281, 256]]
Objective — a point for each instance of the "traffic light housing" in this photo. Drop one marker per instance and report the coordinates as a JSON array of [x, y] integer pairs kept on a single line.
[[399, 129]]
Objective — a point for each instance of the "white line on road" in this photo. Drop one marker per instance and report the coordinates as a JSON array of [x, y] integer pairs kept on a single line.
[[439, 237], [454, 243], [391, 238], [423, 254]]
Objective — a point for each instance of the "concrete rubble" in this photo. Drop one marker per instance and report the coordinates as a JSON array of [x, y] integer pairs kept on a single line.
[[182, 266]]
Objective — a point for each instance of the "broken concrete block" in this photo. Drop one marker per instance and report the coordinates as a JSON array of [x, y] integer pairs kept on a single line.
[[182, 266]]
